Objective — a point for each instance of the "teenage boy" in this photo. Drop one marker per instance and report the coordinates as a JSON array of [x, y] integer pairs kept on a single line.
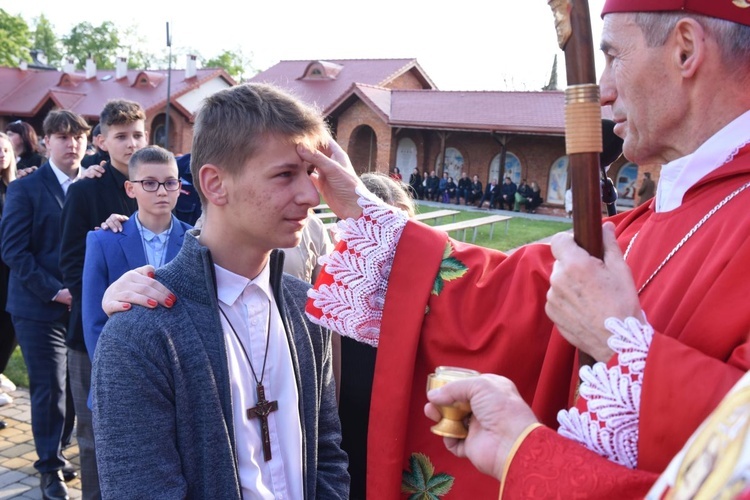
[[151, 236], [237, 341], [88, 203], [39, 301]]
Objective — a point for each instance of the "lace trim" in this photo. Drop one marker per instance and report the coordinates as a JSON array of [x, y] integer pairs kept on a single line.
[[609, 427], [353, 304]]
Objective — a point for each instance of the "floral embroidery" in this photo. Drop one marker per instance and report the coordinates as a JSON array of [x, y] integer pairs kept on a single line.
[[450, 269], [421, 482], [609, 427], [353, 304]]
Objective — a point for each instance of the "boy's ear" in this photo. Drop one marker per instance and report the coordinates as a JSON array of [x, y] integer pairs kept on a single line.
[[130, 189], [213, 184]]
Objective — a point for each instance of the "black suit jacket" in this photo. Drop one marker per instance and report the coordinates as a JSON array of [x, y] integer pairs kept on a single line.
[[30, 245], [88, 204]]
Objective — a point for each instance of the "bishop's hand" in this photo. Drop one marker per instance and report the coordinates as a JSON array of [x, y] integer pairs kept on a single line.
[[585, 291]]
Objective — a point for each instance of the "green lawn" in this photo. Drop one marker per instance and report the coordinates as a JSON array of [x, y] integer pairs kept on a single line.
[[520, 232]]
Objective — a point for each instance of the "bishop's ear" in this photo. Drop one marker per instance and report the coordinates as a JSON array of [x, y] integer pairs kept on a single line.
[[689, 46]]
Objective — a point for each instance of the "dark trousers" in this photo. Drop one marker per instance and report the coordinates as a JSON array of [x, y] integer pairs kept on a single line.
[[43, 348], [507, 200], [79, 366], [7, 339]]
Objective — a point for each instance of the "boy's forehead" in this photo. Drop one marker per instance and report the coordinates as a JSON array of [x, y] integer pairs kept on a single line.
[[158, 167], [136, 126]]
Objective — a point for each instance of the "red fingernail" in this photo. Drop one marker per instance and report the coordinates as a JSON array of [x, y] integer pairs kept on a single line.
[[151, 275], [152, 302], [126, 306], [172, 297], [168, 302]]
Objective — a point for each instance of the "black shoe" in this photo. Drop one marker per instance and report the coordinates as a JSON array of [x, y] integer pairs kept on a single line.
[[3, 424], [53, 486], [69, 472]]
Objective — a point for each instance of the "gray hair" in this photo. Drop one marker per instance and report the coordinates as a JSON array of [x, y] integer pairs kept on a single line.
[[733, 38]]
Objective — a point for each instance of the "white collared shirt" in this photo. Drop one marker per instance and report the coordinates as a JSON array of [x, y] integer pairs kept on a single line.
[[154, 245], [246, 303], [63, 178], [679, 175]]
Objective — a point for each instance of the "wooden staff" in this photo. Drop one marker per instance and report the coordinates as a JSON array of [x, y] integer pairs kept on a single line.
[[583, 126]]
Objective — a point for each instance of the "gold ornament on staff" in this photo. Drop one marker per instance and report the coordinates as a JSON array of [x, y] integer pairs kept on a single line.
[[452, 421]]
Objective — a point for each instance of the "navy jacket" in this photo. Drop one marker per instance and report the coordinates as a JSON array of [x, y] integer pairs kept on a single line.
[[31, 245]]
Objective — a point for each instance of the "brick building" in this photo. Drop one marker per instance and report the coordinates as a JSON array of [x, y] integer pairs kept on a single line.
[[388, 113]]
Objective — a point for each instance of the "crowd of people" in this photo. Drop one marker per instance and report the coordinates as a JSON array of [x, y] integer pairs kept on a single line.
[[208, 314]]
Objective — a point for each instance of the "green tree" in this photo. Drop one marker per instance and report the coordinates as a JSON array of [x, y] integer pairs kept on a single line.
[[15, 39], [45, 39], [101, 42], [233, 62]]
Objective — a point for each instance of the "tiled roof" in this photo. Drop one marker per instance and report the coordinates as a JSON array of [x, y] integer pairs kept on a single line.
[[24, 92], [323, 92], [532, 112]]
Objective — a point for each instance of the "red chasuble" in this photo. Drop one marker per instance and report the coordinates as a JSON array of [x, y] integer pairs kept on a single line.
[[476, 308]]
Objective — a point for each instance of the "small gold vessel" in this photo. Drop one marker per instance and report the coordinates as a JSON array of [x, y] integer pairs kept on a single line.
[[452, 423]]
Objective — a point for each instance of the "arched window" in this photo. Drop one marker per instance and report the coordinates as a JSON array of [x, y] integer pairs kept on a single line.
[[558, 181], [454, 163], [406, 156], [512, 168]]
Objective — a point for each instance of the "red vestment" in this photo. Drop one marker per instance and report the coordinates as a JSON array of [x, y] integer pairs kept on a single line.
[[492, 319]]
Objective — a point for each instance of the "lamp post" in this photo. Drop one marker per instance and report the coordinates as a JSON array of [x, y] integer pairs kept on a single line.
[[169, 88]]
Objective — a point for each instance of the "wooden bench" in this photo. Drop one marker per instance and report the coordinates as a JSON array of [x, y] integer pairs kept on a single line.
[[476, 224], [437, 214]]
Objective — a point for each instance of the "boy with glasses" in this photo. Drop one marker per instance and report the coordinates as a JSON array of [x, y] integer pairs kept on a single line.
[[151, 236]]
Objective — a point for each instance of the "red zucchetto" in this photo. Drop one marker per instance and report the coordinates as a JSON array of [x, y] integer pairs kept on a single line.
[[736, 11]]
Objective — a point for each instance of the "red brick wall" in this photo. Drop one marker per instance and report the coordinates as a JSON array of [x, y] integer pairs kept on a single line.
[[407, 81]]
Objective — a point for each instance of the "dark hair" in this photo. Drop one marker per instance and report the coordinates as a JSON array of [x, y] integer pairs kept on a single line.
[[149, 154], [28, 136], [63, 121], [232, 124], [120, 112]]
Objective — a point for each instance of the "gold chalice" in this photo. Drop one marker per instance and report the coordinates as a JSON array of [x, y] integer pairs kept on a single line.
[[452, 422]]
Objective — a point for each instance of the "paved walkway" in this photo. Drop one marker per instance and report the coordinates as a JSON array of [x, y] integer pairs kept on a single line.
[[18, 478]]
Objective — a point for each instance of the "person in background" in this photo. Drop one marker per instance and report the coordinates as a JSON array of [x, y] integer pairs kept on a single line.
[[464, 189], [40, 302], [25, 144], [99, 155], [89, 202], [647, 189], [475, 193], [415, 183], [7, 333], [151, 236], [396, 174]]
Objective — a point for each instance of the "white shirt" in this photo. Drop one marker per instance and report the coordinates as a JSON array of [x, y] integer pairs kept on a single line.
[[246, 303], [154, 245], [683, 173], [63, 178]]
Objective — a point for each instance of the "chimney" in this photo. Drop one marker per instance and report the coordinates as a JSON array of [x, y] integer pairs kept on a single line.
[[121, 68], [90, 68], [190, 69], [69, 66]]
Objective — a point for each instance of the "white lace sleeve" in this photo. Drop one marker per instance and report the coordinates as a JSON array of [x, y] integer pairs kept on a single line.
[[609, 426], [353, 304]]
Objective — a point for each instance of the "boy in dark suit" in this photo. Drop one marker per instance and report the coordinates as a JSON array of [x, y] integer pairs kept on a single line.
[[89, 203], [151, 236], [39, 302]]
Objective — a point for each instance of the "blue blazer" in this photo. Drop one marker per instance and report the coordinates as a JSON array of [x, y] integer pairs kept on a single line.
[[30, 242], [108, 256]]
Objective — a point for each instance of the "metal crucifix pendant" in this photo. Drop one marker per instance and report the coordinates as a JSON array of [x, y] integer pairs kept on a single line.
[[261, 412]]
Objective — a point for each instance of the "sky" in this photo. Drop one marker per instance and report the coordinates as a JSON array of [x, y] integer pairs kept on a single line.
[[461, 45]]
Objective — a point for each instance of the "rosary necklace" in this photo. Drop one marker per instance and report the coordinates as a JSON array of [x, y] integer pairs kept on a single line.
[[687, 236], [264, 407]]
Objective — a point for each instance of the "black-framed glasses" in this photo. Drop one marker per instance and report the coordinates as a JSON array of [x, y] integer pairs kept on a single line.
[[150, 185]]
